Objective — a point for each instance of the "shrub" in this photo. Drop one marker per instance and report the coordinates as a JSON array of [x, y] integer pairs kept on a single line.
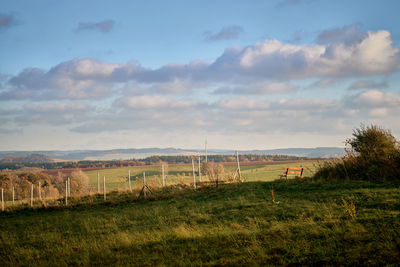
[[372, 154]]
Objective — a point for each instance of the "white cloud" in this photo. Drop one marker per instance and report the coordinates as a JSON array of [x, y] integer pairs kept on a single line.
[[374, 98], [263, 68]]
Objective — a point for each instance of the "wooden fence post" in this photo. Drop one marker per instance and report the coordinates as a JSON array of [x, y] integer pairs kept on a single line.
[[238, 166], [39, 192], [194, 175], [98, 182], [129, 180], [69, 187], [144, 184], [2, 199], [104, 188], [199, 170], [13, 195]]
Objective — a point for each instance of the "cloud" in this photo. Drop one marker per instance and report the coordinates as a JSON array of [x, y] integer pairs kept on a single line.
[[374, 99], [348, 35], [104, 26], [11, 131], [323, 83], [375, 54], [284, 3], [7, 20], [75, 79], [375, 104], [258, 89], [53, 113], [254, 69], [226, 33], [367, 84], [153, 102]]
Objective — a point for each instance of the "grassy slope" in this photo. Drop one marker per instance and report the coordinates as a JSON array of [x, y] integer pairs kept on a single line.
[[236, 224], [116, 178]]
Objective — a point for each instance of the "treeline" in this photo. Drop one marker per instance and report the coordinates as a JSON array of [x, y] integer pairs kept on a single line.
[[31, 158], [84, 164]]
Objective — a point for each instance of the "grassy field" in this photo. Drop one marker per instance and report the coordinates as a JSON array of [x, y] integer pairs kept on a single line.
[[117, 178], [309, 223]]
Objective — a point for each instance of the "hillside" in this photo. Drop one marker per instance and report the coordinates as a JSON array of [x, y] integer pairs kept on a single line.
[[28, 158], [325, 152], [310, 223]]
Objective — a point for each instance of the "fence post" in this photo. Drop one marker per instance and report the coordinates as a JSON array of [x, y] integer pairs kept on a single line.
[[238, 166], [31, 195], [98, 182], [129, 180], [194, 175], [144, 184], [199, 170], [66, 192], [39, 192], [69, 187], [2, 199], [163, 175], [104, 188]]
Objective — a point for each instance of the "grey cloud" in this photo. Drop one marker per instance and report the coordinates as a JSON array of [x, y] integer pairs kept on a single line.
[[348, 35], [323, 83], [75, 79], [104, 26], [226, 33], [241, 114], [8, 131], [284, 3], [365, 84], [53, 113], [258, 89], [7, 20]]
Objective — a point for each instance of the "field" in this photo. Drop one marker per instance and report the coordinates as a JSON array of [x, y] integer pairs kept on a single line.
[[258, 222], [117, 178]]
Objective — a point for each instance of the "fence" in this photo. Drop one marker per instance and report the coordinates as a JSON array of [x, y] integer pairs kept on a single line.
[[41, 193]]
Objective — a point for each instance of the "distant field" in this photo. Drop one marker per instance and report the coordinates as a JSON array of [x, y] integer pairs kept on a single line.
[[117, 178]]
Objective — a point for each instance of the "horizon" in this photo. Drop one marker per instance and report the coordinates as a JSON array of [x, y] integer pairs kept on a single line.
[[177, 148], [94, 75]]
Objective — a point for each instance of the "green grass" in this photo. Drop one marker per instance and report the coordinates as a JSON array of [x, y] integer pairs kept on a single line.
[[236, 224], [117, 178]]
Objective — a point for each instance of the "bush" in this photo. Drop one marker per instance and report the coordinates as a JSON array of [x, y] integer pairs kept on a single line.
[[372, 154]]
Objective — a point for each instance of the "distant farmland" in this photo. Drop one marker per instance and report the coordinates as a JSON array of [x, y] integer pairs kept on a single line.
[[117, 178]]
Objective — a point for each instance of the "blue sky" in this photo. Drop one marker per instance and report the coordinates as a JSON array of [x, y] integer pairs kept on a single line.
[[243, 74]]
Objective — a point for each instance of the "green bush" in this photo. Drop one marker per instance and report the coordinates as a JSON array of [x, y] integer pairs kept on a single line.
[[372, 154]]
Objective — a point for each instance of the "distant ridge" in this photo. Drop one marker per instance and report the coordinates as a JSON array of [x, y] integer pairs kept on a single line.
[[74, 155]]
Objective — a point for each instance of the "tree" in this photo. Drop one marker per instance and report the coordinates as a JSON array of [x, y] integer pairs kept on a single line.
[[373, 143], [373, 154]]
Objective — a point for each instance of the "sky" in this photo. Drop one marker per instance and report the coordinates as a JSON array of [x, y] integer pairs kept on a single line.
[[239, 74]]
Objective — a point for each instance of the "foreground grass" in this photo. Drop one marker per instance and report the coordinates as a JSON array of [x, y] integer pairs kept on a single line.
[[309, 223]]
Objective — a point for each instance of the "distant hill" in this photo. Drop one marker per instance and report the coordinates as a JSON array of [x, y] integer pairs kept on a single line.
[[75, 155], [30, 158]]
